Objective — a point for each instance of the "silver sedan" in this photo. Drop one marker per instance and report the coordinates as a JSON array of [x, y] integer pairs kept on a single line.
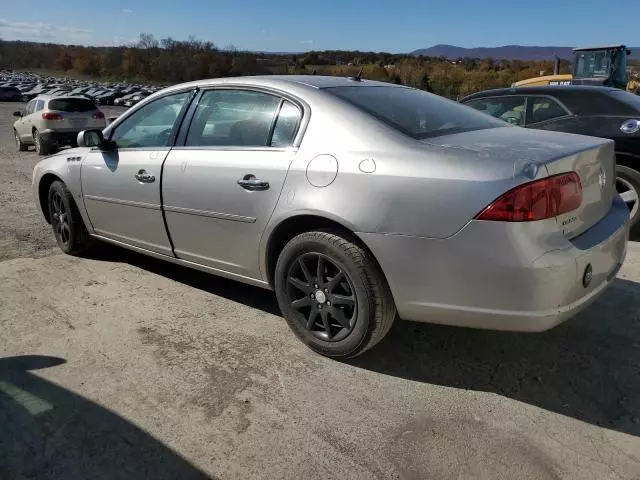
[[356, 201]]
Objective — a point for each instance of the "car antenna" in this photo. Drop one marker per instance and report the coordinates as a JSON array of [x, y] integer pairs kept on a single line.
[[358, 76]]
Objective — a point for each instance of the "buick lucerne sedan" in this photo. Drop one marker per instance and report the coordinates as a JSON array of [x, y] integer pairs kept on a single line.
[[355, 201]]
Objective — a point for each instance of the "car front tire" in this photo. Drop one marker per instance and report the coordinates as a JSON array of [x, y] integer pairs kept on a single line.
[[628, 186], [333, 294], [68, 228], [21, 146]]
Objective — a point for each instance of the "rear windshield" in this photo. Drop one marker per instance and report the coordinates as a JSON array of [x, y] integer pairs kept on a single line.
[[414, 112], [71, 105]]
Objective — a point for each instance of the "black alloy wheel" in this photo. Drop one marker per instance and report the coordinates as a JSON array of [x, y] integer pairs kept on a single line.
[[68, 228], [323, 297], [60, 220], [332, 293]]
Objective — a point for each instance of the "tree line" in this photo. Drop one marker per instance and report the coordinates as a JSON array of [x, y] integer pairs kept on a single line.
[[169, 61]]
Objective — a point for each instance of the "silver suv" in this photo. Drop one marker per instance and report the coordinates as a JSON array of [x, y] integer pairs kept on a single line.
[[53, 122]]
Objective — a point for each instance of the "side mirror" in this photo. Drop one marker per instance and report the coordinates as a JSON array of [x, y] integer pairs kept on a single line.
[[94, 138], [17, 114]]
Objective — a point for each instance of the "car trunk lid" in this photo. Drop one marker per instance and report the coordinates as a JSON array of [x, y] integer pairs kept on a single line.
[[592, 158]]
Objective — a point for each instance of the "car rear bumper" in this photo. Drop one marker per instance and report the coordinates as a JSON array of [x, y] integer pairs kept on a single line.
[[503, 276]]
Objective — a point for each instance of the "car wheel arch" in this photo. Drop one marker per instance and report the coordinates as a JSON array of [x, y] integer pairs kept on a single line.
[[43, 193], [290, 227]]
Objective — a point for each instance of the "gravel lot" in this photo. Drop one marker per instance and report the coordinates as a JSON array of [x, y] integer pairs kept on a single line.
[[125, 367]]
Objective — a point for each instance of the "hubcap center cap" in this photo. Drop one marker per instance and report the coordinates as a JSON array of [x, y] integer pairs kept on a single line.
[[320, 296]]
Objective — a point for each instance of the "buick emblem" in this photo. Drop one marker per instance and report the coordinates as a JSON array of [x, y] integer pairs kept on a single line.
[[602, 178]]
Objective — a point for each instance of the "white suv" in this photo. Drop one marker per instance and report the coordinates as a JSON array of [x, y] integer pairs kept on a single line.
[[52, 122]]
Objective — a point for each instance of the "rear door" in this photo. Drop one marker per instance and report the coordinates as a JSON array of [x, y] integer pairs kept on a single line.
[[221, 186]]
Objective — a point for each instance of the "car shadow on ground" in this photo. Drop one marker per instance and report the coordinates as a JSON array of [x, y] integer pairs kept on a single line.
[[586, 368], [49, 432]]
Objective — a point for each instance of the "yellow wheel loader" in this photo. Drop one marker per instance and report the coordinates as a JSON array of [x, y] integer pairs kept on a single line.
[[605, 66]]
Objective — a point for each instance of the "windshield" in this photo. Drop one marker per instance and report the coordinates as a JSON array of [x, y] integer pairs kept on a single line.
[[592, 64], [414, 112], [71, 105]]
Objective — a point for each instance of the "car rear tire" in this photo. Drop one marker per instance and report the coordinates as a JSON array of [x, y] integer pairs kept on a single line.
[[333, 294], [21, 146], [68, 228], [628, 186], [42, 146]]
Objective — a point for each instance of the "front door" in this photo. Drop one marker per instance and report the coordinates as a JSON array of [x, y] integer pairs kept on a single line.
[[121, 188], [24, 125], [221, 187]]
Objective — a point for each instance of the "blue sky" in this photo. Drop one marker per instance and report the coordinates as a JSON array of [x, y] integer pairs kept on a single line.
[[300, 25]]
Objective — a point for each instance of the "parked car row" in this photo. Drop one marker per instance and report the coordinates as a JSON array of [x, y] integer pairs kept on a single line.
[[356, 201], [25, 86]]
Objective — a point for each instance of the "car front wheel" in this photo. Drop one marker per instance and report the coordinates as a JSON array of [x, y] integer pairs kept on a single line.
[[68, 228], [333, 294], [21, 146], [628, 186]]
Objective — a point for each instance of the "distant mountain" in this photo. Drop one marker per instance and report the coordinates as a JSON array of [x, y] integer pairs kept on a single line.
[[508, 52]]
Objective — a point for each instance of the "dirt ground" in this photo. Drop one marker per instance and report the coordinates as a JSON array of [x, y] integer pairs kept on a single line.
[[124, 367]]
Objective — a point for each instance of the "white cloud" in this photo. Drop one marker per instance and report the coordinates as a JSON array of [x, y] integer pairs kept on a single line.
[[127, 11], [307, 42], [40, 31]]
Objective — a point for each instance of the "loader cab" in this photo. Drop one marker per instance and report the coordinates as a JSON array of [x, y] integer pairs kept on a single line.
[[606, 66]]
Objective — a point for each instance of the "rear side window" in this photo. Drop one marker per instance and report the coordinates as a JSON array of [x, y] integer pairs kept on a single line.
[[71, 105], [286, 125], [510, 109], [39, 105], [541, 109], [413, 112], [239, 118]]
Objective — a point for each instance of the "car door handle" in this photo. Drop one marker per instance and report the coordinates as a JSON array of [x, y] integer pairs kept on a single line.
[[250, 182], [143, 177]]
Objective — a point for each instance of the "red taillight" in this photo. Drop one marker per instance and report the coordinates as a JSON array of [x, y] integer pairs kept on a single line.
[[537, 200], [51, 116], [98, 115]]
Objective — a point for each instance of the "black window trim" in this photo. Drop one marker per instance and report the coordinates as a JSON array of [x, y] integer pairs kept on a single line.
[[305, 112], [527, 97]]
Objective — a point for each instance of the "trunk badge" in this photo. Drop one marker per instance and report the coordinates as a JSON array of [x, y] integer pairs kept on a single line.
[[602, 178]]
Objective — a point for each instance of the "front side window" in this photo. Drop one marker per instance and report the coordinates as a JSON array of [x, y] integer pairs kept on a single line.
[[239, 118], [541, 109], [507, 109], [414, 112], [152, 125]]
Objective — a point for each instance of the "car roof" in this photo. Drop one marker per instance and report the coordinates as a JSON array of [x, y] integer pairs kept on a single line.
[[540, 90], [283, 81], [58, 97]]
